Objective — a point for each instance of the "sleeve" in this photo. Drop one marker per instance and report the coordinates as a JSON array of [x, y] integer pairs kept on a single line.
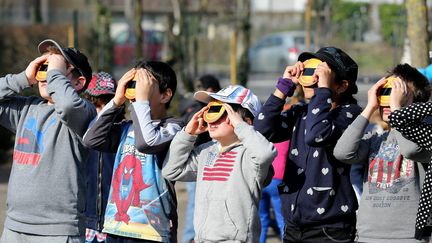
[[261, 152], [181, 163], [104, 133], [73, 110], [411, 150], [274, 124], [152, 137], [10, 104], [324, 125], [410, 122], [352, 147]]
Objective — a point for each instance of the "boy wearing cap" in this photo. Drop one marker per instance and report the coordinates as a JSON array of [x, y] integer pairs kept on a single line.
[[230, 171], [391, 188], [46, 186], [141, 204], [318, 202], [100, 91]]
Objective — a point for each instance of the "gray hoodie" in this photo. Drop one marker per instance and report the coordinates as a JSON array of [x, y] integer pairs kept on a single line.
[[46, 188], [229, 183]]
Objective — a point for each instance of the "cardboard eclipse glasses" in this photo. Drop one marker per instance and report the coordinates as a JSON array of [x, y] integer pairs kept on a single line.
[[306, 78], [42, 72], [385, 91], [214, 112], [130, 88]]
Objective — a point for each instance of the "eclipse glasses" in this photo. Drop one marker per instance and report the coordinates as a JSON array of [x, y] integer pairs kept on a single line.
[[385, 91], [41, 74], [214, 112], [306, 78]]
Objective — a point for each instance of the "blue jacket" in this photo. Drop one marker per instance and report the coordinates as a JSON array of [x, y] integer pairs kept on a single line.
[[98, 181], [316, 189]]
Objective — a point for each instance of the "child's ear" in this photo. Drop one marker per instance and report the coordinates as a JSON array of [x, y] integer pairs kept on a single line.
[[342, 87], [79, 83], [166, 96]]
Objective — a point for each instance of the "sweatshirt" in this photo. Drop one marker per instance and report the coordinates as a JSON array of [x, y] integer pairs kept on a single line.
[[46, 190], [229, 183], [141, 203], [391, 188], [316, 190]]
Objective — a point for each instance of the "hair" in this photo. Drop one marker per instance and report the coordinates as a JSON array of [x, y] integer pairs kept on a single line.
[[209, 81], [347, 97], [163, 73], [100, 100], [410, 75], [244, 113]]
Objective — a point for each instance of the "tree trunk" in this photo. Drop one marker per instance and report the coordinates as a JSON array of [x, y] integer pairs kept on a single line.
[[138, 31], [243, 12], [417, 32]]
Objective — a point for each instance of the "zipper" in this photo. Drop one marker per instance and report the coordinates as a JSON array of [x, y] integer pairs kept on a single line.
[[99, 192]]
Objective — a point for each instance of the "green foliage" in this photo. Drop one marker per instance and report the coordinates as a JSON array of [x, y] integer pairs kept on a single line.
[[393, 23], [349, 19]]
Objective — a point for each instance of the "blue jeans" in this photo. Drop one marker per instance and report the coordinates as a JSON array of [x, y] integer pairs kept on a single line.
[[189, 232], [270, 197]]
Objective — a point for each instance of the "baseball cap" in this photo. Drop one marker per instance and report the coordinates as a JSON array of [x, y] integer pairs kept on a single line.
[[72, 55], [343, 65], [102, 83], [233, 94]]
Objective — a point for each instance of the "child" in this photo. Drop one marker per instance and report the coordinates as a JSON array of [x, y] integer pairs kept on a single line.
[[391, 185], [318, 202], [414, 122], [46, 198], [141, 205], [230, 170], [99, 164]]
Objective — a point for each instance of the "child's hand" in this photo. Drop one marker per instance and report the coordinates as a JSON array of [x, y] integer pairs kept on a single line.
[[119, 98], [294, 72], [324, 75], [58, 62], [233, 117], [373, 94], [197, 125], [146, 85], [400, 95], [33, 67]]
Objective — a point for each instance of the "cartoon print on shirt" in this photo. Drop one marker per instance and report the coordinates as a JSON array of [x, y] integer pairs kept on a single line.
[[30, 144], [388, 169], [127, 184]]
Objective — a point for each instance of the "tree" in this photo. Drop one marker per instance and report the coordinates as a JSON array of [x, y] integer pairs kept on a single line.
[[417, 31], [243, 29]]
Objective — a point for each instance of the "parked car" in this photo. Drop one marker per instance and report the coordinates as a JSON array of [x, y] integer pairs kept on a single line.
[[125, 42], [272, 53]]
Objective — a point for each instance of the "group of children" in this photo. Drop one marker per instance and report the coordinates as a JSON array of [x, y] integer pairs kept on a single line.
[[66, 146]]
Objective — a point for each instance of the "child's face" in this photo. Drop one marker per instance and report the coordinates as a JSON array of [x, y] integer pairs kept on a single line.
[[221, 130]]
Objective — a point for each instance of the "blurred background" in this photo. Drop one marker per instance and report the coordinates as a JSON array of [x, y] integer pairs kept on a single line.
[[246, 42]]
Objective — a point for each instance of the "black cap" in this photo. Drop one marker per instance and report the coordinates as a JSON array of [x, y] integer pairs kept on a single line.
[[339, 61], [73, 56]]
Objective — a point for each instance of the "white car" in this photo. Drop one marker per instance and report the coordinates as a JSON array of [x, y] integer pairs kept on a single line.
[[272, 53]]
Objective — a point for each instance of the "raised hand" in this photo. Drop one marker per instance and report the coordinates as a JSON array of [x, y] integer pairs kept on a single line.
[[197, 125], [146, 85], [233, 117], [324, 75], [119, 98], [400, 95], [33, 67]]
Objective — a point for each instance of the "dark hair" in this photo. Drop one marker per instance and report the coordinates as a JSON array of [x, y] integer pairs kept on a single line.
[[409, 74], [208, 81], [163, 73], [242, 111], [100, 100]]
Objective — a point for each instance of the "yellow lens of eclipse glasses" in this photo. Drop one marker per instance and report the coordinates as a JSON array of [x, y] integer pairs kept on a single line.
[[306, 78], [385, 91], [42, 72], [130, 88], [214, 112]]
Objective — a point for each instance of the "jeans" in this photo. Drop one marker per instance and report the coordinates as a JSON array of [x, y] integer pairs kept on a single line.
[[189, 232], [270, 197], [322, 235]]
